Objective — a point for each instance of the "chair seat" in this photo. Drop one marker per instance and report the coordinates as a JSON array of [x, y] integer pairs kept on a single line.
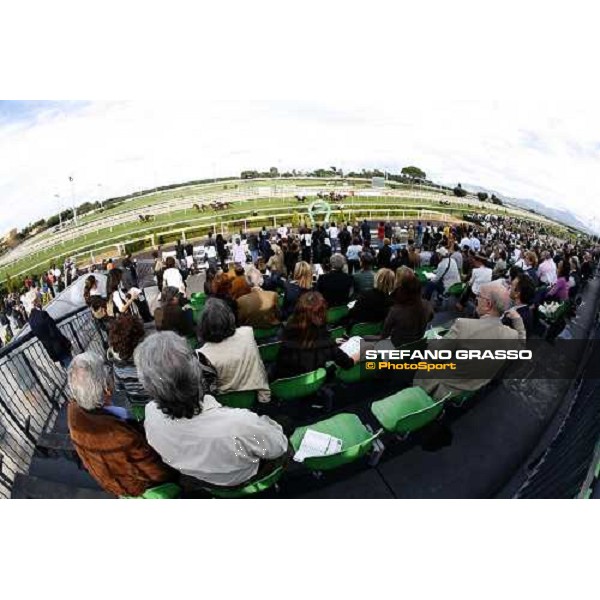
[[357, 441], [239, 399], [407, 410], [299, 386], [250, 489]]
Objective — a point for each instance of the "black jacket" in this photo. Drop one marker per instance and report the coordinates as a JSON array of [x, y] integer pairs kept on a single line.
[[371, 306], [44, 328], [335, 287], [384, 258], [293, 359]]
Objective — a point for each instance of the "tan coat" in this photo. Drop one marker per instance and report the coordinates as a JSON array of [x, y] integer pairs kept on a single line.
[[258, 309], [238, 364], [462, 331]]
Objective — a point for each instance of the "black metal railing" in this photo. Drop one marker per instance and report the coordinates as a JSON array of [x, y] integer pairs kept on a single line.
[[32, 390]]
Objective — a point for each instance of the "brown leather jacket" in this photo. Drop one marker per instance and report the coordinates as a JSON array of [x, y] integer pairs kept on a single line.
[[115, 453]]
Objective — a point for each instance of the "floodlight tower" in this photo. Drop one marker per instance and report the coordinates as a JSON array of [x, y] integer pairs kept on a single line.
[[73, 200], [57, 196]]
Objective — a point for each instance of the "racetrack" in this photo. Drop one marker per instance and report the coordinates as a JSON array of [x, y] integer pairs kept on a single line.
[[252, 204]]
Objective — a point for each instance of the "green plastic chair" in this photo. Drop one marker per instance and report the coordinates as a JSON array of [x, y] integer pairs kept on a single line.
[[198, 299], [165, 491], [192, 341], [197, 313], [269, 352], [420, 273], [460, 398], [241, 399], [262, 334], [357, 441], [363, 329], [407, 411], [138, 411], [337, 332], [435, 331], [456, 289], [354, 374], [251, 489], [336, 313], [299, 386], [416, 345]]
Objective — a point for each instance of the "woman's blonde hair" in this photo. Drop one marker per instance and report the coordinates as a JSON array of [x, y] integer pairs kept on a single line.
[[303, 275], [384, 280], [401, 274]]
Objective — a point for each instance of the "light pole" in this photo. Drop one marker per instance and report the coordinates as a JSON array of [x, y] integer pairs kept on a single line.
[[73, 201], [59, 210]]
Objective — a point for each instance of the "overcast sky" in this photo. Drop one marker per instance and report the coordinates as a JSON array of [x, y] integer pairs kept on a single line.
[[505, 99]]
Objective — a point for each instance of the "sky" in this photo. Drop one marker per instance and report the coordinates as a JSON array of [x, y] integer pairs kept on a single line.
[[117, 147], [501, 96]]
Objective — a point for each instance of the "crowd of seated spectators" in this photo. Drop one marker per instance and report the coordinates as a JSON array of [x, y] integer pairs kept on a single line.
[[507, 269]]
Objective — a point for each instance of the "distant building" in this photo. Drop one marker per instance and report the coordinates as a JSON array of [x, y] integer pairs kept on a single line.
[[9, 237], [378, 182]]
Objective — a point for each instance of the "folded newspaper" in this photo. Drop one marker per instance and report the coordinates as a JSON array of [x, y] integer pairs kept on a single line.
[[315, 443], [352, 346]]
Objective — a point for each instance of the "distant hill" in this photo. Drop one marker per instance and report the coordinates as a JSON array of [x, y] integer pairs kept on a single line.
[[564, 216]]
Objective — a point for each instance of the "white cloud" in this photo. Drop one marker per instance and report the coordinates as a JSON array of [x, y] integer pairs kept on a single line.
[[126, 146], [500, 96]]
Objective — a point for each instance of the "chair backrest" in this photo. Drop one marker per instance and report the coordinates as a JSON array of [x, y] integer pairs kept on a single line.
[[261, 334], [198, 299], [138, 411], [336, 313], [240, 399], [197, 313], [363, 329], [354, 374], [434, 332], [419, 418], [456, 289], [165, 491], [269, 352], [461, 397], [420, 344], [193, 342], [250, 489], [337, 332], [299, 386], [407, 410]]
